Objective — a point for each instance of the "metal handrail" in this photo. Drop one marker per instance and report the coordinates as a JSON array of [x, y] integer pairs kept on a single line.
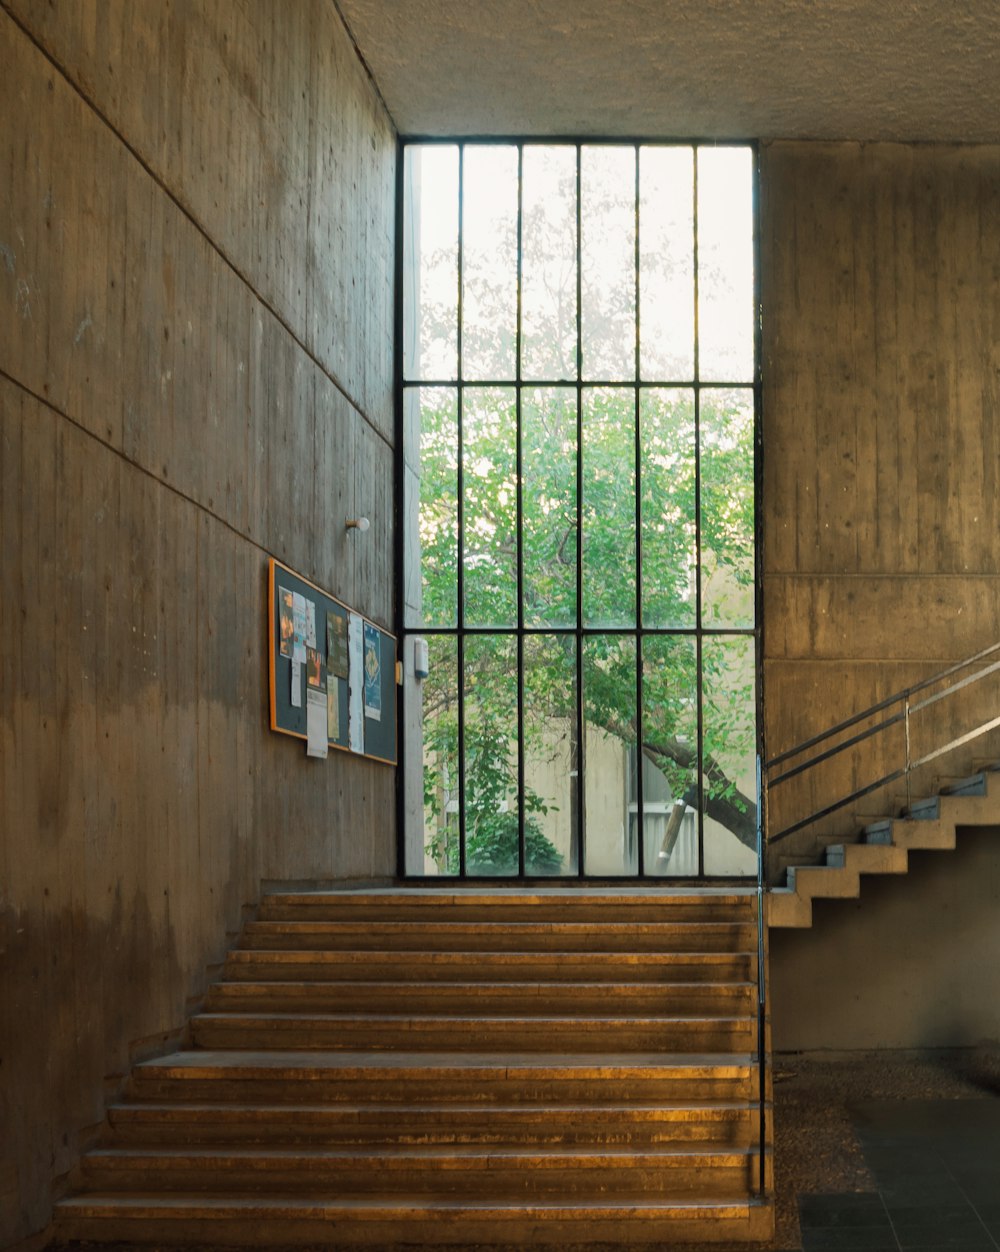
[[903, 716], [761, 991]]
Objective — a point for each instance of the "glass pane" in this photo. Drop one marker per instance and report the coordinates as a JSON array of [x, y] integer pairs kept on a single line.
[[551, 754], [440, 758], [730, 703], [669, 540], [727, 508], [725, 264], [490, 738], [670, 764], [609, 507], [548, 450], [438, 541], [489, 457], [548, 283], [609, 686], [607, 191], [666, 263], [430, 261], [489, 262]]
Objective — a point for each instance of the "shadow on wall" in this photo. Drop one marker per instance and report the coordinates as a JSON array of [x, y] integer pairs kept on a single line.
[[915, 963], [61, 1025]]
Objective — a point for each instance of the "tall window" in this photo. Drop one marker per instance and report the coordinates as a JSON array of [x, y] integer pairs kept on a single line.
[[579, 429]]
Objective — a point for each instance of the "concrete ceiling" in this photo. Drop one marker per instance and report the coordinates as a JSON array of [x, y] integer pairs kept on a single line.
[[834, 69]]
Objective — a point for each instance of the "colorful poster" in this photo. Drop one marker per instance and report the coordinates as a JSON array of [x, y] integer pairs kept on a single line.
[[316, 744], [299, 628], [356, 684], [314, 669], [286, 621], [373, 673], [336, 644], [333, 709]]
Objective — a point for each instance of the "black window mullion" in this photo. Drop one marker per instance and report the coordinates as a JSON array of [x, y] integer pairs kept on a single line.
[[460, 427], [699, 623], [640, 816], [518, 409], [580, 695]]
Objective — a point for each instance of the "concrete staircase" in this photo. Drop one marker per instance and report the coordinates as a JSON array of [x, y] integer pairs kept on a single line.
[[453, 1067], [885, 845]]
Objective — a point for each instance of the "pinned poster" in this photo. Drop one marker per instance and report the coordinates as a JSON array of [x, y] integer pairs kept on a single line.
[[336, 644], [373, 673], [316, 714], [299, 628], [356, 683], [287, 623], [333, 709], [296, 685]]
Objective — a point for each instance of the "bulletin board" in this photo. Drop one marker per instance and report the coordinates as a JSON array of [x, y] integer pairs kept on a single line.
[[328, 662]]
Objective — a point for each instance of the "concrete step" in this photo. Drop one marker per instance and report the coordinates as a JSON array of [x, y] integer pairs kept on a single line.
[[826, 881], [977, 784], [558, 904], [786, 908], [493, 1173], [914, 835], [502, 936], [547, 1033], [868, 858], [716, 999], [708, 1122], [290, 1221], [497, 967], [488, 1078]]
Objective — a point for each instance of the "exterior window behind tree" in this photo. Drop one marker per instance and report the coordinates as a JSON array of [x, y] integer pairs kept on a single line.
[[579, 415]]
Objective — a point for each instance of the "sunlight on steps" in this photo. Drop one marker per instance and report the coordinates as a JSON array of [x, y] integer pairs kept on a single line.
[[445, 1067]]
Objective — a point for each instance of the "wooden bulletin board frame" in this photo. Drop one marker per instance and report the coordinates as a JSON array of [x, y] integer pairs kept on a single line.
[[374, 650]]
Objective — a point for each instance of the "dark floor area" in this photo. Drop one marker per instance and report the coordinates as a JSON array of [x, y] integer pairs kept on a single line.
[[936, 1171], [889, 1151]]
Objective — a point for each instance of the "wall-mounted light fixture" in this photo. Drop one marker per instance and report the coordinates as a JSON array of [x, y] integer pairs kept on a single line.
[[358, 523]]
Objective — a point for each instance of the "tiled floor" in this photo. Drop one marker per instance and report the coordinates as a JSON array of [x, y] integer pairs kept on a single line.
[[936, 1165]]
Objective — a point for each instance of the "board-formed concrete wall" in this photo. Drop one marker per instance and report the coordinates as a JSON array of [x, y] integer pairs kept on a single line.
[[880, 276], [880, 273], [196, 260]]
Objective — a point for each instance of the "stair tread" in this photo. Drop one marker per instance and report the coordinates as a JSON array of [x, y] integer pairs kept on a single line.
[[306, 1063], [325, 1112], [401, 1155], [516, 926], [508, 988], [372, 955], [301, 1205], [417, 1019]]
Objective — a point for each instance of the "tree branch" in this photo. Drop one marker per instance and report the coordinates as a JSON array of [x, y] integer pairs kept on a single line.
[[738, 814]]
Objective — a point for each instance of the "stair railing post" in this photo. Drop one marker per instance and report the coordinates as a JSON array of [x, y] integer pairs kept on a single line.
[[761, 987], [906, 729]]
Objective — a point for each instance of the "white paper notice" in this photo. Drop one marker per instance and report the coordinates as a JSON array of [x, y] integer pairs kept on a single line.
[[296, 685], [316, 744], [356, 682]]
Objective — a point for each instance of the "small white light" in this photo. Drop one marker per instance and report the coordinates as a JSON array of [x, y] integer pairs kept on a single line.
[[358, 523]]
